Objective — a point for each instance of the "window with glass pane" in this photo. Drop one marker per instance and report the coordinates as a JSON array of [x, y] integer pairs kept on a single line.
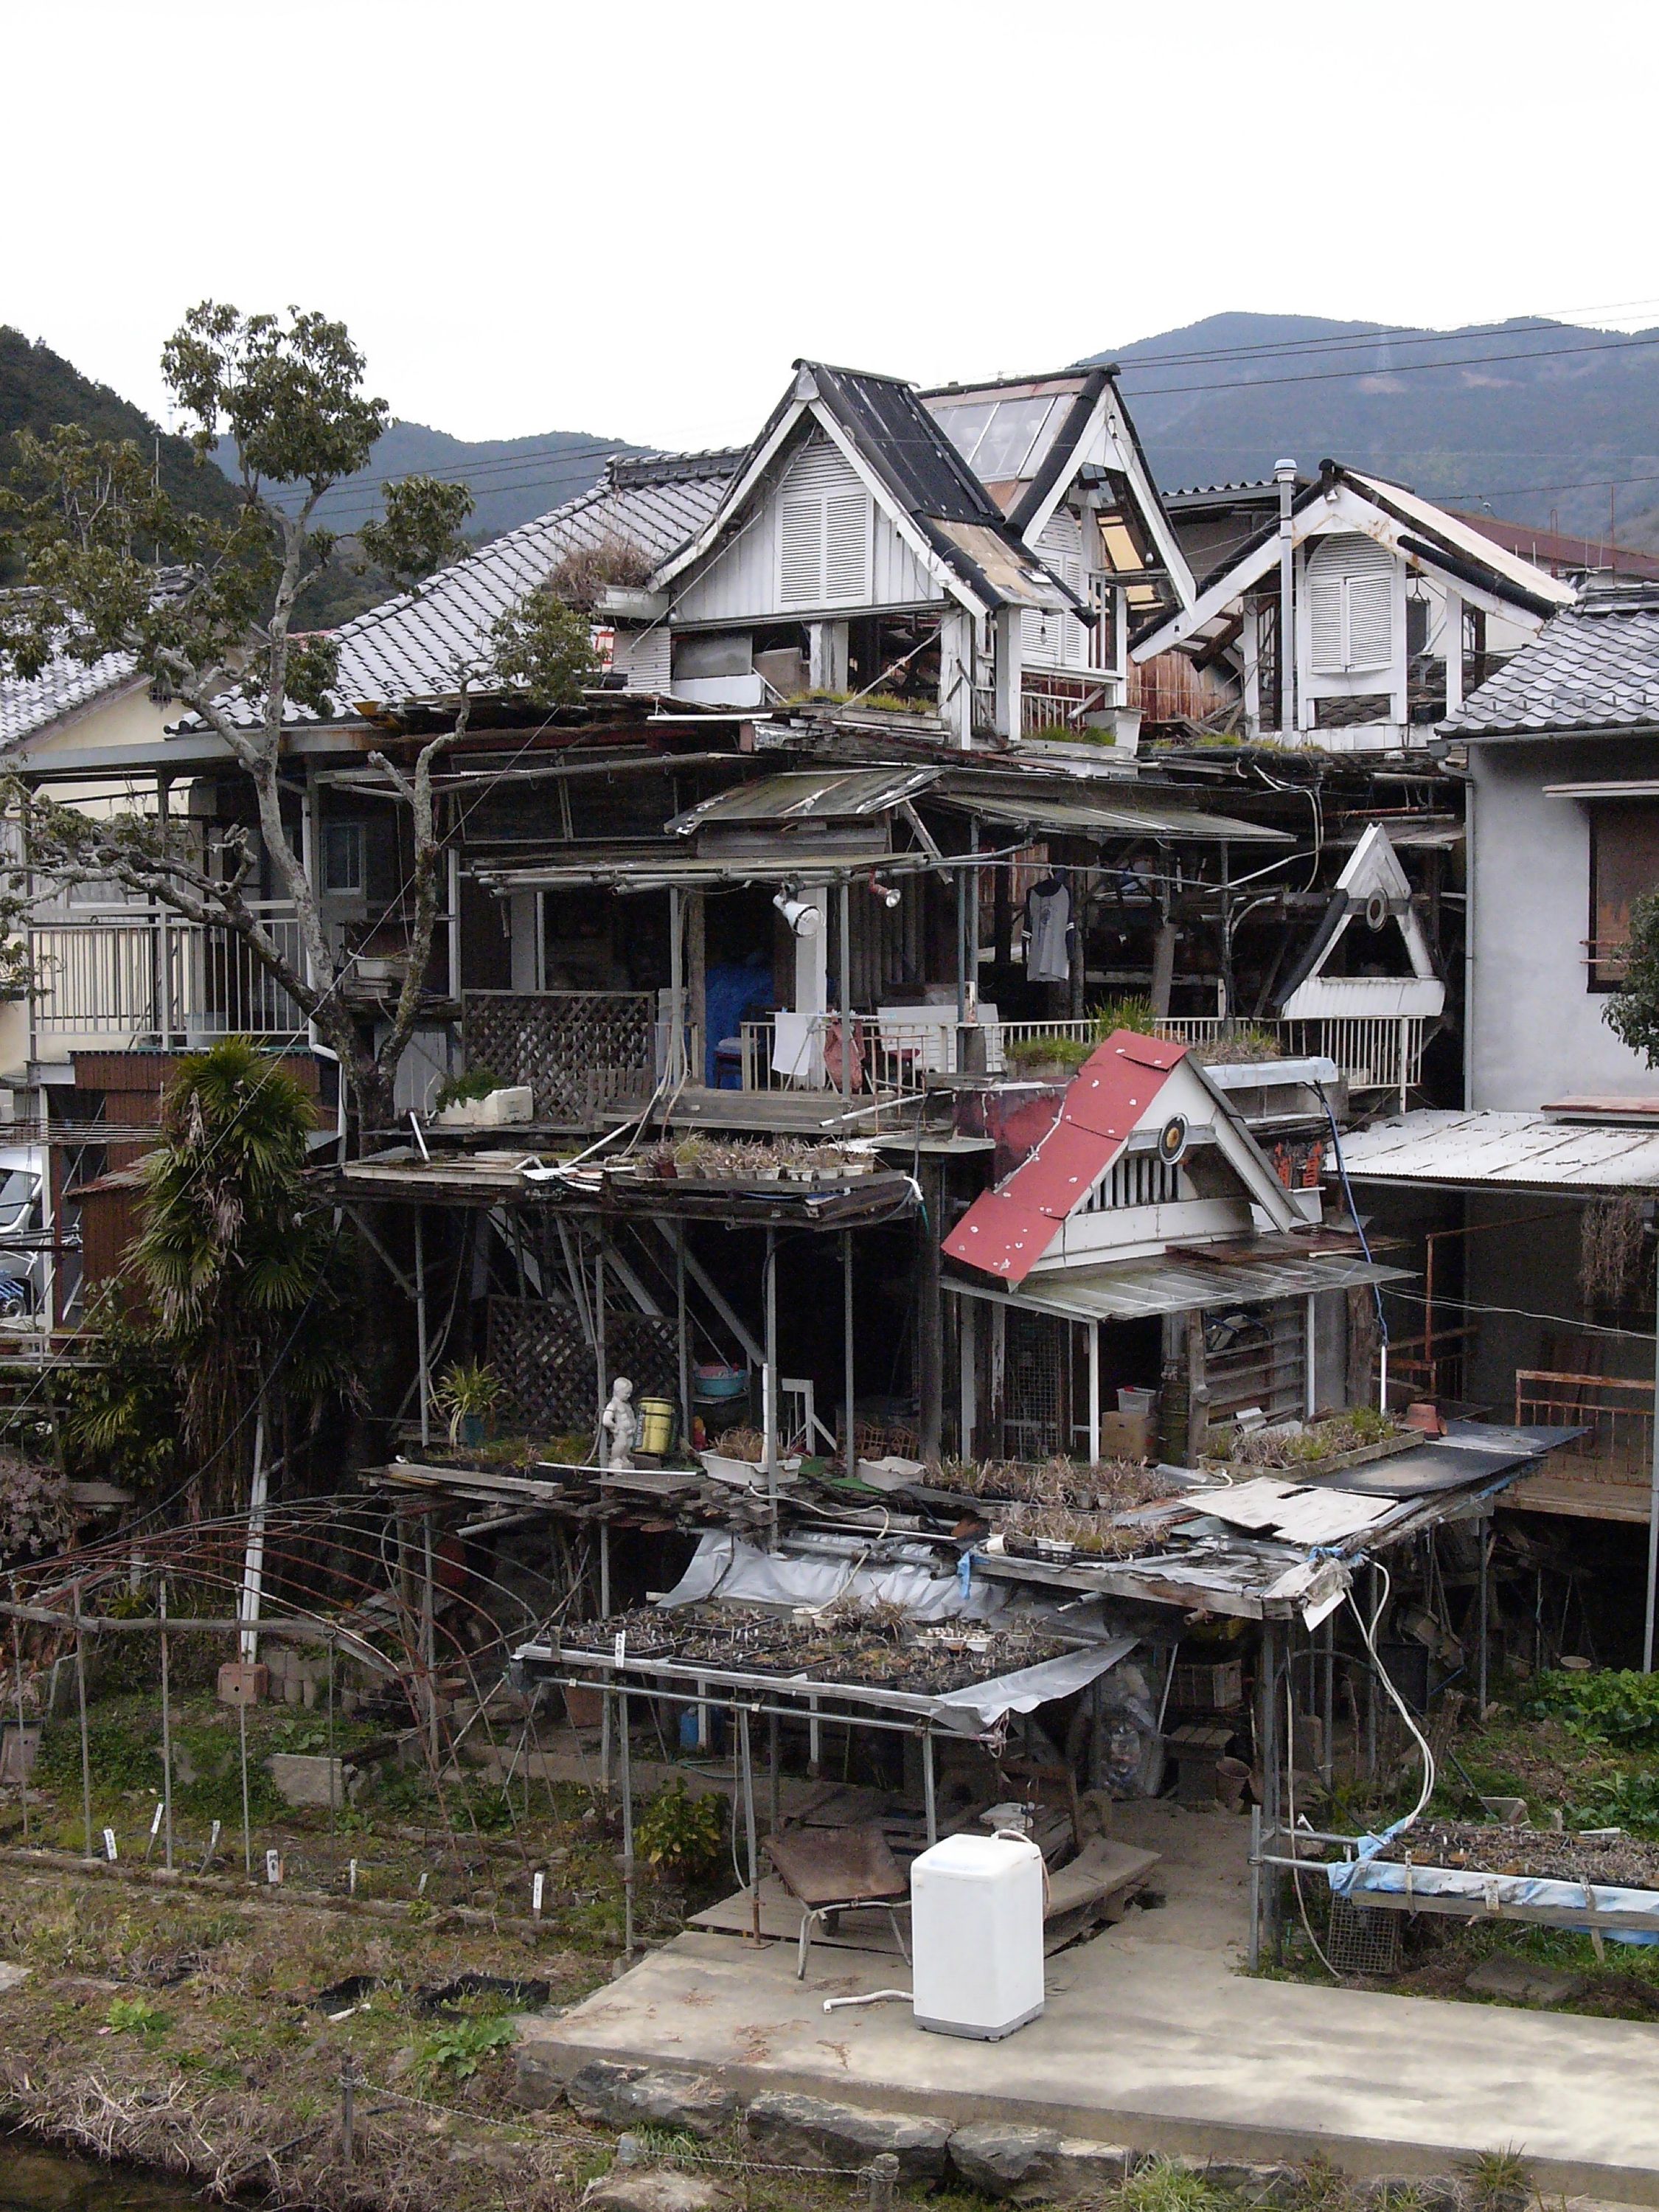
[[343, 858], [1624, 842], [1006, 445], [964, 427]]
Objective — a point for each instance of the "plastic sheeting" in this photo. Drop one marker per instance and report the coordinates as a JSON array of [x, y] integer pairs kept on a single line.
[[741, 1574], [1495, 1893]]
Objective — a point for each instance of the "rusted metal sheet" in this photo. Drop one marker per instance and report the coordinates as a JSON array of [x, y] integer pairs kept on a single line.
[[1001, 1236]]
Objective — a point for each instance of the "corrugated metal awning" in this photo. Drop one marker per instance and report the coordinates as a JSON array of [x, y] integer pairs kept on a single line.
[[1179, 1282], [1515, 1152], [1066, 814], [806, 795]]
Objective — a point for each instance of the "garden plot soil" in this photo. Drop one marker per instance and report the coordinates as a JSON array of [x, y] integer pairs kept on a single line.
[[1621, 1861], [870, 1649]]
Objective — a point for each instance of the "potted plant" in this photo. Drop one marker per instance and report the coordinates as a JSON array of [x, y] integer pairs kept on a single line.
[[1047, 1058], [468, 1393]]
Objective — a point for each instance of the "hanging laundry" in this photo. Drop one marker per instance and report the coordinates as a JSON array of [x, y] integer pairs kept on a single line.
[[1048, 933]]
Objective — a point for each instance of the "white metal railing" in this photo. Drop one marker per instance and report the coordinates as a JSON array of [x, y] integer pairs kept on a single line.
[[151, 978], [890, 1058], [1373, 1052]]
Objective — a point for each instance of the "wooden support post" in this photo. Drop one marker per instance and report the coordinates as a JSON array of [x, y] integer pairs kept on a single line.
[[1268, 1760], [1483, 1529], [242, 1745], [428, 1640], [929, 1793]]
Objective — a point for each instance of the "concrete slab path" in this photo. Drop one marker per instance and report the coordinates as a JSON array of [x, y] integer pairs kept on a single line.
[[1153, 2039]]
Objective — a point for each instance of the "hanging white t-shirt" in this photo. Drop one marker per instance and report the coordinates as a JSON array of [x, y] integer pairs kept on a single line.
[[1048, 934]]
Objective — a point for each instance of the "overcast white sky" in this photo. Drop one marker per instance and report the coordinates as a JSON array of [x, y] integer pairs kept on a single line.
[[628, 219]]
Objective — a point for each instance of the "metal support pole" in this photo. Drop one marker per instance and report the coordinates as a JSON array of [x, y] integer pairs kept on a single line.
[[774, 1806], [241, 1740], [814, 1739], [1328, 1730], [682, 1322], [335, 1788], [846, 999], [849, 1440], [1373, 1600], [420, 1331], [1653, 1527], [166, 1738], [1267, 1755], [429, 1637], [929, 1795], [624, 1748], [1093, 1338], [769, 1382], [1255, 1888], [602, 1451], [605, 1614], [675, 1059], [17, 1674], [746, 1756], [81, 1701]]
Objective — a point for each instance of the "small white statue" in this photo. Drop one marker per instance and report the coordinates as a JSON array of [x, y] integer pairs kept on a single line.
[[622, 1424]]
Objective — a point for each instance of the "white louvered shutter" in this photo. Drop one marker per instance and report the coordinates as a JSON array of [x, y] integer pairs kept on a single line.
[[1054, 641], [823, 530], [1350, 581]]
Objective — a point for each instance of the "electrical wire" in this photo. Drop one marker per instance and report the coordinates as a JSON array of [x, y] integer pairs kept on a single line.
[[1368, 1633]]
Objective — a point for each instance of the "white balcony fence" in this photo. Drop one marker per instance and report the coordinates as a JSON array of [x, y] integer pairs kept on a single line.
[[1371, 1053], [141, 979]]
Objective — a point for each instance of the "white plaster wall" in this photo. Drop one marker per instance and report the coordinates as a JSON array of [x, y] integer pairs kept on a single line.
[[1536, 1031]]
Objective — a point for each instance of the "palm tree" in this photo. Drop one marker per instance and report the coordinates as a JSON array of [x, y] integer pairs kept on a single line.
[[237, 1261]]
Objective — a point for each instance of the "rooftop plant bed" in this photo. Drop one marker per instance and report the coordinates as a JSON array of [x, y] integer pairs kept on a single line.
[[875, 1646], [1110, 1486], [1309, 1448]]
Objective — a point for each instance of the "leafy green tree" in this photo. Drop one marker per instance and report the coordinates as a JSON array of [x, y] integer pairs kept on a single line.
[[1633, 1012], [238, 1263], [217, 627]]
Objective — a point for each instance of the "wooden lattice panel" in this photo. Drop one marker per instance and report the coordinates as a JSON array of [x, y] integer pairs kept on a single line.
[[578, 1051], [548, 1370]]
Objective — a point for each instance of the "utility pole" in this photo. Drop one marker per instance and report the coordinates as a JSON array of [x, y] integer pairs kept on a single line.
[[1284, 477]]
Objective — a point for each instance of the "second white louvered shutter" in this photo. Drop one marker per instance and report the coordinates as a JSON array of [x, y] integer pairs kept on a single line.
[[823, 530], [1350, 584]]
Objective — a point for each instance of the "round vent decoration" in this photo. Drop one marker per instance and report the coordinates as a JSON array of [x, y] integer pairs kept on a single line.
[[1172, 1139], [1376, 910]]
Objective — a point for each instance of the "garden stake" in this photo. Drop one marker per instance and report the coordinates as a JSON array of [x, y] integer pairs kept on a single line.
[[166, 1738], [81, 1699], [17, 1669], [348, 2083]]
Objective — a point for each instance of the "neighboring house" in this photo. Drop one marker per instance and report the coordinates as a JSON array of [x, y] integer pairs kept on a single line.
[[1563, 751], [1396, 610], [1525, 1208]]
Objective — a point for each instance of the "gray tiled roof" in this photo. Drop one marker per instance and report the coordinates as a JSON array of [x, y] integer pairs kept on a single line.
[[1593, 666], [30, 704], [412, 647]]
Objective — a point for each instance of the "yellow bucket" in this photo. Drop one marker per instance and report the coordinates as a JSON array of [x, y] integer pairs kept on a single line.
[[656, 1426]]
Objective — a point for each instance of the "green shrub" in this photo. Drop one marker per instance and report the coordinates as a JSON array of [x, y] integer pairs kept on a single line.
[[1609, 1704], [464, 1090], [1124, 1014], [458, 2051], [136, 2016], [682, 1833]]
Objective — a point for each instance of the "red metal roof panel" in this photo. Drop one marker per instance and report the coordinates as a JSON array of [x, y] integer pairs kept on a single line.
[[1062, 1170], [1000, 1236]]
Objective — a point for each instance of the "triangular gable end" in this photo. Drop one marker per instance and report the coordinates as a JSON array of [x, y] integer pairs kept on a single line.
[[1096, 1187], [1372, 893]]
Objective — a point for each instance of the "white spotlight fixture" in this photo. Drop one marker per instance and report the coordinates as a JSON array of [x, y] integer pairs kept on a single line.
[[804, 920], [887, 893]]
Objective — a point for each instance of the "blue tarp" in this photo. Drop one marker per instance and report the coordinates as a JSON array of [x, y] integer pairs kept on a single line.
[[1492, 1893]]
